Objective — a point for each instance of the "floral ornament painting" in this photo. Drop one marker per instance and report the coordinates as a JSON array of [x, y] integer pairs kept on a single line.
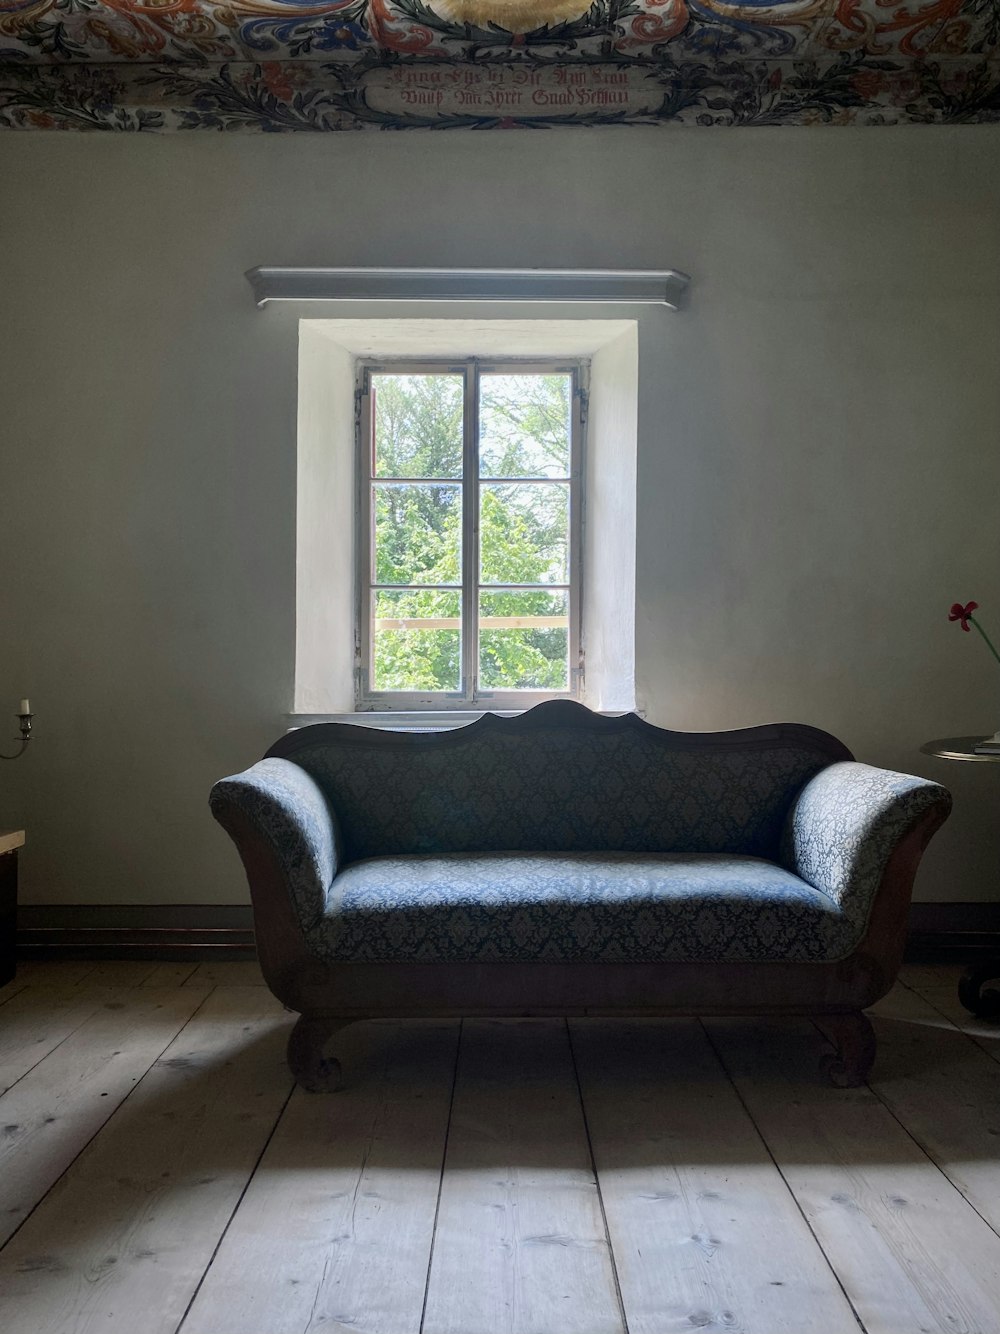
[[512, 15], [962, 613]]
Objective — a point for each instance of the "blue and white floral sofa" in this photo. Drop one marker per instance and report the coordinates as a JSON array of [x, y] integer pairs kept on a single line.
[[563, 862]]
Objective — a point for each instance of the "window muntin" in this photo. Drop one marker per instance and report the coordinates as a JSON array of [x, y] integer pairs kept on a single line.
[[470, 514]]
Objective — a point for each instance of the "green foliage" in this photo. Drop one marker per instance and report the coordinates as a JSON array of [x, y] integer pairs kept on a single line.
[[524, 530], [524, 533], [418, 425], [418, 534], [418, 659], [524, 426], [523, 659]]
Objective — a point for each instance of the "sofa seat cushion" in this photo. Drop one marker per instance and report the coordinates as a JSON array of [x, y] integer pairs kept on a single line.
[[576, 908]]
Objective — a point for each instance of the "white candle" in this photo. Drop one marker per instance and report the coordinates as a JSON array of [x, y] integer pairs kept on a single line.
[[25, 706]]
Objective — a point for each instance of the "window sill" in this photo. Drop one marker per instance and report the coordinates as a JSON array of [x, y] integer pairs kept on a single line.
[[424, 720], [402, 720]]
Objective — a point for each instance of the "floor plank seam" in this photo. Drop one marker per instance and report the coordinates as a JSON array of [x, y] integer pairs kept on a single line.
[[20, 990], [444, 1160], [51, 1051], [236, 1207], [103, 1126], [970, 1037], [930, 1157], [777, 1168], [597, 1179], [921, 995]]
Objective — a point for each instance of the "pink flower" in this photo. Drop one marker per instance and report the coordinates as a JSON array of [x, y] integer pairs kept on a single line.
[[960, 613]]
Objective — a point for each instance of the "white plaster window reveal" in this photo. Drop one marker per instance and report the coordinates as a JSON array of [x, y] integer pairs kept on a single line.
[[327, 607]]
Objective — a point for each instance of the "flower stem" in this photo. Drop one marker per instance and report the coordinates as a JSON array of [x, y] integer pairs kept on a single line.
[[989, 642]]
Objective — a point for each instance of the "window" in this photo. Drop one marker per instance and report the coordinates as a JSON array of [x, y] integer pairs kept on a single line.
[[333, 557], [469, 533]]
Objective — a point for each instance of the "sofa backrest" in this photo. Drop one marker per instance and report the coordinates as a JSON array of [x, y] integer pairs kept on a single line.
[[559, 779]]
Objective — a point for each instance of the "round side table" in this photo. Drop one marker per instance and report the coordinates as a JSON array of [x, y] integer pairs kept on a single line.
[[985, 1004]]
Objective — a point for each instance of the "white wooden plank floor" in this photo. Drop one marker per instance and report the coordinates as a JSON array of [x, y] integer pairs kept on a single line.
[[158, 1174]]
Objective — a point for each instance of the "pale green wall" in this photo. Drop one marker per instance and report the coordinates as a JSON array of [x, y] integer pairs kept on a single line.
[[819, 446]]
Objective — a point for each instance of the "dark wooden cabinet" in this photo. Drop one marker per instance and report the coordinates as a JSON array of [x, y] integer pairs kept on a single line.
[[9, 844]]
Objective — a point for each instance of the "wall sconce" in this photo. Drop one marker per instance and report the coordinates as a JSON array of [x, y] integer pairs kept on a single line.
[[24, 717]]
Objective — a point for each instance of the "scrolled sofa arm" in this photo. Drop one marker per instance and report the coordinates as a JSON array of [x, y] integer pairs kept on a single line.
[[287, 808], [846, 823]]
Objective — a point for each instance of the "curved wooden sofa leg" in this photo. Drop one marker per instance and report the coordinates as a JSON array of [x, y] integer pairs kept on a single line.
[[853, 1039], [315, 1072]]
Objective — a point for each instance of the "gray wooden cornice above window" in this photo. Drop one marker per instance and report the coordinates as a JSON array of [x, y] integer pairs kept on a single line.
[[662, 287], [351, 64]]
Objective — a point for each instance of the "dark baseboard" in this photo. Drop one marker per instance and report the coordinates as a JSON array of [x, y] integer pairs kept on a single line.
[[938, 932], [154, 931], [952, 932]]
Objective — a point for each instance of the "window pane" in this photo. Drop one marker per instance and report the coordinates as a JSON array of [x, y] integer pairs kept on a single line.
[[524, 425], [417, 639], [418, 425], [418, 533], [523, 641], [524, 533]]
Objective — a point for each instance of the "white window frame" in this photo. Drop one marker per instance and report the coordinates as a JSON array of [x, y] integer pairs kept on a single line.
[[469, 697]]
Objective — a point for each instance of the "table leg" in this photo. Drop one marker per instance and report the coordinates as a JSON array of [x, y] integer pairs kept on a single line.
[[985, 1004]]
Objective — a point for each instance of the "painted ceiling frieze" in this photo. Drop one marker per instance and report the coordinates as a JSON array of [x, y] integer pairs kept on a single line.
[[273, 65]]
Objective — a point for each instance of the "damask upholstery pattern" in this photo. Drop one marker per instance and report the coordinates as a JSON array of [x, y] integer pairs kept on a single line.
[[573, 790], [285, 806], [844, 826], [609, 907], [280, 65], [588, 839]]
